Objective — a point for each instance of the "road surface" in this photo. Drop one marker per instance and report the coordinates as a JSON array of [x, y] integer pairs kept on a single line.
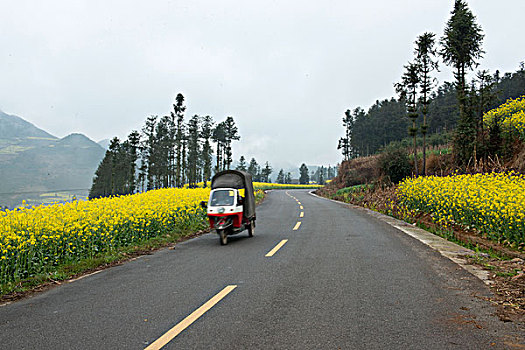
[[316, 275]]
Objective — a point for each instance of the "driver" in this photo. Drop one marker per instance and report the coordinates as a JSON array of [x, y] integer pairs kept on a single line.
[[219, 198]]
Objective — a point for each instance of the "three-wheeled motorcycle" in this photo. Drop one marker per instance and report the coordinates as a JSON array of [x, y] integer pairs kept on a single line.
[[231, 206]]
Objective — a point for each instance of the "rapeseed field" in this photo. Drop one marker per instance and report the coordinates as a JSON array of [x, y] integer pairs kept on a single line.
[[34, 240], [510, 115], [493, 204]]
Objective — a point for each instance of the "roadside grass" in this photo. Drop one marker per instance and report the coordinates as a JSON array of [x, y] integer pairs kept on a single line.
[[354, 189], [259, 196], [482, 253]]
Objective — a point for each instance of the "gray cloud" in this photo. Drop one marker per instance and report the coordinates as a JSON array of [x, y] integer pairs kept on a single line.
[[285, 70]]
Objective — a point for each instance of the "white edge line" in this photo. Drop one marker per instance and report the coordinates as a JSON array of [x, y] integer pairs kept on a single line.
[[84, 276]]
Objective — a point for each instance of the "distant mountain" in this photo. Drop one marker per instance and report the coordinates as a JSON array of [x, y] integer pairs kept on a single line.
[[33, 162], [78, 140], [104, 143], [12, 127]]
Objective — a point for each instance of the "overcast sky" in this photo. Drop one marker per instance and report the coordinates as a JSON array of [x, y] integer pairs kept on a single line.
[[285, 70]]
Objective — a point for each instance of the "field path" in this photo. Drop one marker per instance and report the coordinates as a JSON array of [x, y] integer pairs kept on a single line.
[[316, 275]]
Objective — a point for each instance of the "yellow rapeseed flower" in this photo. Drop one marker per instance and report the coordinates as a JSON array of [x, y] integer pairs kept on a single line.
[[493, 203]]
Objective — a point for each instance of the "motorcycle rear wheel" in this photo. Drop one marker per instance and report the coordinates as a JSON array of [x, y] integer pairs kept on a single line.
[[251, 229]]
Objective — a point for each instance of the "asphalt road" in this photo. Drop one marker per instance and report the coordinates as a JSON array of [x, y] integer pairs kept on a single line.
[[342, 280]]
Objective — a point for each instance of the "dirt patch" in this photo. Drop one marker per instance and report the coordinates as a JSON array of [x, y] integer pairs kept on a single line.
[[464, 320], [508, 286]]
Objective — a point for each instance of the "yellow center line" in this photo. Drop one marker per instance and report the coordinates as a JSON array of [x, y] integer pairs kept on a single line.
[[298, 202], [302, 214], [301, 207], [182, 325], [297, 226], [276, 248]]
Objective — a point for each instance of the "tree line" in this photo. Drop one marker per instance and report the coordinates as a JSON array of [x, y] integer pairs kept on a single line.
[[262, 173], [168, 152], [423, 107], [259, 174]]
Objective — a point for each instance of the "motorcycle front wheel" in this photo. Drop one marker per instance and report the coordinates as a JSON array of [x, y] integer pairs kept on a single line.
[[223, 237]]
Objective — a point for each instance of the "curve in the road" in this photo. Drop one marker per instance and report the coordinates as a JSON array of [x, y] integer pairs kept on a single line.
[[344, 280]]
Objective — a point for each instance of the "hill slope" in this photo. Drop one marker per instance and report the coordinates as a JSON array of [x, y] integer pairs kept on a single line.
[[33, 162], [13, 127]]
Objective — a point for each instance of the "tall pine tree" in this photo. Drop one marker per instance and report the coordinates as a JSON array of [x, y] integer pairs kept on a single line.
[[280, 177], [147, 156], [253, 169], [134, 150], [206, 134], [304, 178], [427, 62], [179, 109], [345, 143], [407, 89], [193, 150], [231, 134], [288, 178], [461, 49], [242, 164], [219, 137], [266, 172]]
